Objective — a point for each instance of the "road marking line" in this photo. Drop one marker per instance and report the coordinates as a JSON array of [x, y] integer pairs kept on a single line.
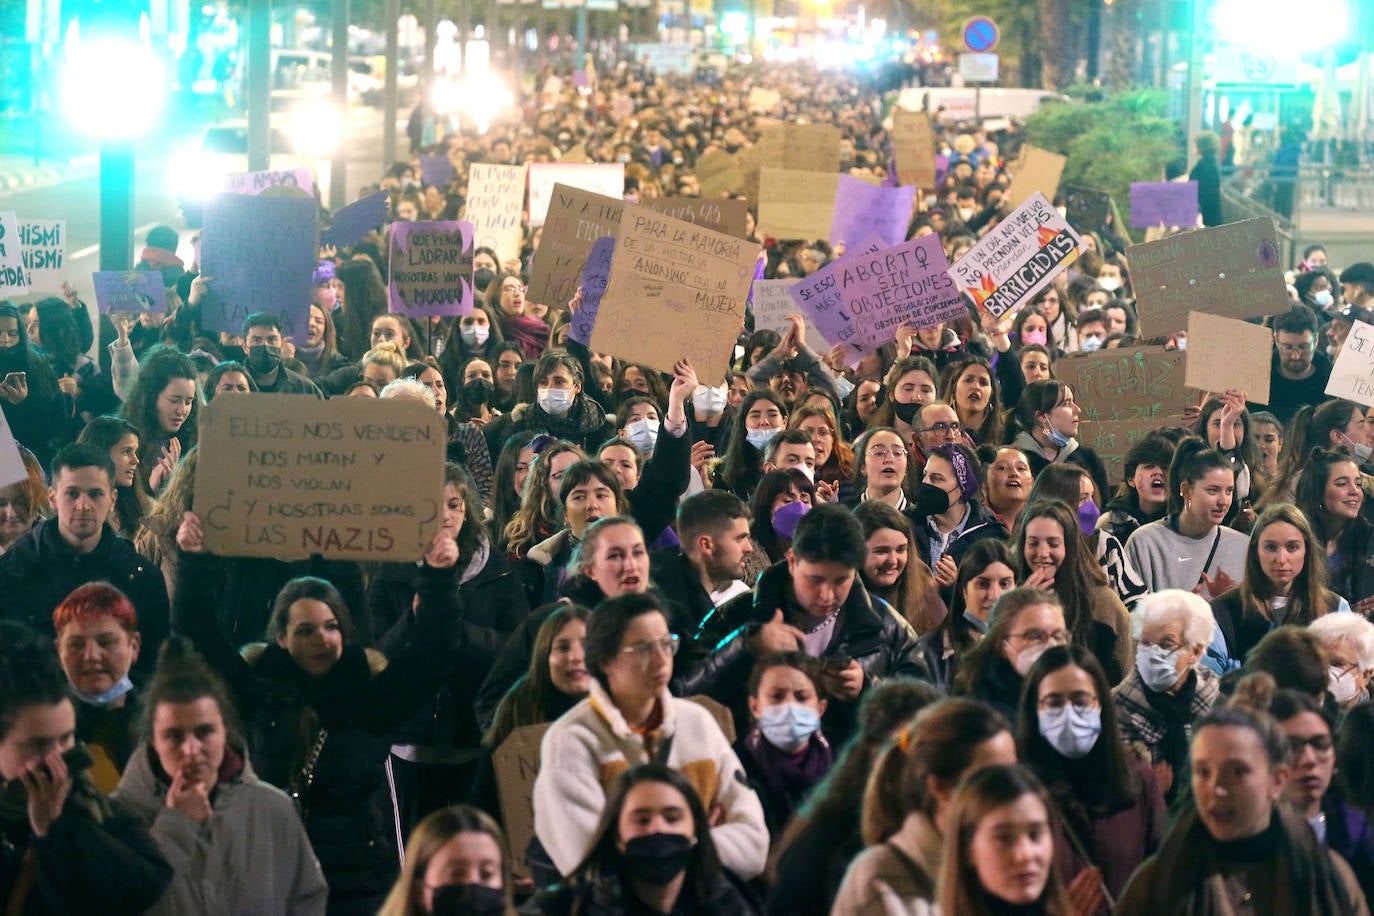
[[92, 249]]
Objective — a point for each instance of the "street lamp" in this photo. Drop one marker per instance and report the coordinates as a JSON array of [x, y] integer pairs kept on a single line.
[[113, 89]]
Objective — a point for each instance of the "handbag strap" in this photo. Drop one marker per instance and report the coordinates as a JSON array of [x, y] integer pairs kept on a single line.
[[1211, 554], [307, 772]]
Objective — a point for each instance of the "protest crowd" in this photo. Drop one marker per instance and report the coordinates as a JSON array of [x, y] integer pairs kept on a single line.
[[940, 563]]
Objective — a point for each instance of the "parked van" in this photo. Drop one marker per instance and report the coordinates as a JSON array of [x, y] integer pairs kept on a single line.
[[962, 103]]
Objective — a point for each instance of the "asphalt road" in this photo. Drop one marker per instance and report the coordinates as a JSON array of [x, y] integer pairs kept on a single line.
[[77, 199]]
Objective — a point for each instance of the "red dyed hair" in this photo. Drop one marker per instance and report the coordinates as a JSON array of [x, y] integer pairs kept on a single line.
[[93, 601]]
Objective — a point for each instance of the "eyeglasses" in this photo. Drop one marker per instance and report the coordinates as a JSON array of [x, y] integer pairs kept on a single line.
[[1040, 637], [642, 652], [513, 289], [882, 452], [1295, 349], [1321, 744], [940, 428]]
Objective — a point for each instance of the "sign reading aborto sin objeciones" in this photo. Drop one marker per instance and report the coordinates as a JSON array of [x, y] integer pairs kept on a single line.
[[676, 290], [290, 476], [431, 268]]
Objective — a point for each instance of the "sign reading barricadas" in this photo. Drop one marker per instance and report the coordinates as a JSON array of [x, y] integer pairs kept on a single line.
[[1018, 258], [431, 268], [351, 479]]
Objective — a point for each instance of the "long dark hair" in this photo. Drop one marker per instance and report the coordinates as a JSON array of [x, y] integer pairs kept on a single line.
[[57, 328], [160, 366], [908, 594], [530, 699], [1311, 492], [1114, 781], [1249, 452], [504, 500], [29, 672], [1039, 397], [365, 298], [774, 484], [1307, 595], [1310, 429], [1078, 576], [988, 432], [311, 588], [131, 503], [1194, 459], [741, 458], [976, 560]]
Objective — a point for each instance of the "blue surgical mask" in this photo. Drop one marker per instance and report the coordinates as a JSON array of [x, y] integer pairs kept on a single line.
[[1158, 668], [1089, 344], [1323, 298], [1071, 730], [759, 438], [555, 402], [121, 687], [1057, 439], [843, 386], [788, 726], [643, 434], [980, 625]]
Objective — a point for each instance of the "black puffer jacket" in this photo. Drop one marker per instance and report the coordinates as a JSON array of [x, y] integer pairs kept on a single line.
[[609, 895], [491, 605], [868, 630], [357, 704], [585, 424]]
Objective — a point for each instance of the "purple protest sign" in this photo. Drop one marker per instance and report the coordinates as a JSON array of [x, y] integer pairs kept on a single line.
[[595, 276], [1163, 203], [436, 171], [356, 220], [941, 167], [258, 253], [129, 291], [758, 275], [905, 284], [864, 209], [818, 297], [431, 268]]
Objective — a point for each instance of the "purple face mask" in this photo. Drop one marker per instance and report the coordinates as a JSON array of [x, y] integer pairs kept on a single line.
[[1035, 337], [786, 519]]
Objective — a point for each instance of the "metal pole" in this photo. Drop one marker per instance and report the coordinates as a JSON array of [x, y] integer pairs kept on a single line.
[[431, 41], [116, 204], [581, 34], [390, 92], [259, 84], [338, 176]]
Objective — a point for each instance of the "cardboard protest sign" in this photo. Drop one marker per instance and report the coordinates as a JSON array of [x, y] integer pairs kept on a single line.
[[1038, 171], [44, 244], [1124, 394], [261, 253], [728, 215], [254, 183], [607, 180], [436, 171], [913, 143], [772, 304], [676, 290], [594, 278], [13, 280], [1230, 270], [800, 147], [516, 763], [350, 478], [1163, 203], [352, 222], [719, 173], [797, 205], [862, 208], [1228, 354], [12, 468], [763, 100], [496, 197], [1086, 209], [576, 219], [129, 291], [431, 268], [1018, 257], [1352, 377]]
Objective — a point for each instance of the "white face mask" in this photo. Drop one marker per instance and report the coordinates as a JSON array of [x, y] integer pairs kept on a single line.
[[643, 434], [1342, 685], [1071, 730], [554, 401], [1110, 284], [474, 335], [1158, 669], [1027, 657], [1361, 452], [708, 401]]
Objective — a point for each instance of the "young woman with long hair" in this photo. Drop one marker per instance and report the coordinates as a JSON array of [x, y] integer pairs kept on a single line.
[[895, 571], [455, 863]]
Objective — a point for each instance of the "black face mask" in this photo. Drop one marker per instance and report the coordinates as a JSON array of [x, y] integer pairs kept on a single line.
[[264, 358], [931, 500], [478, 391], [482, 278], [657, 858], [906, 412], [468, 900]]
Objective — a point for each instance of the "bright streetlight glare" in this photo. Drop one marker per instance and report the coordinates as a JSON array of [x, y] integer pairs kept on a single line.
[[113, 89], [1271, 25]]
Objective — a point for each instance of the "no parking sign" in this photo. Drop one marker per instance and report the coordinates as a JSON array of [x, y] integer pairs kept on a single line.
[[980, 34]]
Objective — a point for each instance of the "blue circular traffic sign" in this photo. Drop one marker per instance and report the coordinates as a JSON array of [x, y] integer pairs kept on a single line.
[[980, 34]]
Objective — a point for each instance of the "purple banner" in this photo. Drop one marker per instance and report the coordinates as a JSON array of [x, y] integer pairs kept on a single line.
[[258, 253], [863, 209], [1163, 203], [129, 291], [436, 171], [818, 297], [356, 220], [594, 278], [431, 268], [905, 284]]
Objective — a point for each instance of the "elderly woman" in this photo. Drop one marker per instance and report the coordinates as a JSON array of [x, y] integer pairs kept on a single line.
[[1349, 643], [1169, 688]]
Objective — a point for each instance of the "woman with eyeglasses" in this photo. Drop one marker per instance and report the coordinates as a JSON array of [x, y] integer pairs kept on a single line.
[[1025, 623], [506, 300], [1348, 640], [881, 468], [1312, 789], [631, 718], [1111, 807]]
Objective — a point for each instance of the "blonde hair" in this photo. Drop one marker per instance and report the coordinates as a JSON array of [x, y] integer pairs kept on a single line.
[[386, 353]]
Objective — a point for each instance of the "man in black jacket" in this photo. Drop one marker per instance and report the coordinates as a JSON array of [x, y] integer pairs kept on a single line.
[[44, 566], [713, 529], [812, 602]]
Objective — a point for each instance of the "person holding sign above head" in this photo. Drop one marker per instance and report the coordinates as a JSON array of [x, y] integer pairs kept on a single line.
[[1300, 371], [262, 340], [320, 709]]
